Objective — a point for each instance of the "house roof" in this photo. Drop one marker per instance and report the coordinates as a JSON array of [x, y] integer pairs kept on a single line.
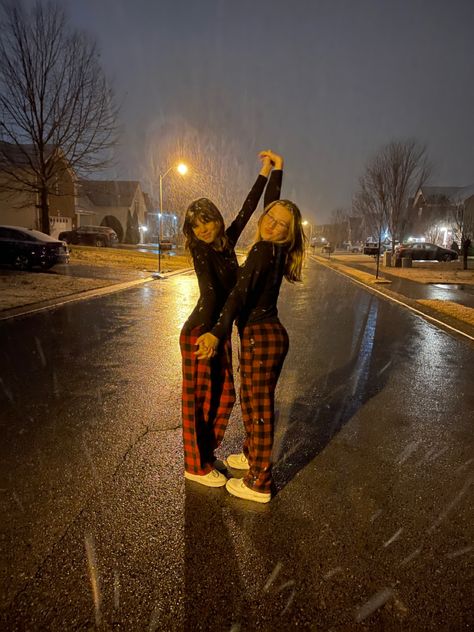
[[433, 195], [109, 192], [438, 192], [19, 155]]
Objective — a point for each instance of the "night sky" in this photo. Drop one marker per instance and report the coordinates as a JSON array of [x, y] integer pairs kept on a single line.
[[324, 83]]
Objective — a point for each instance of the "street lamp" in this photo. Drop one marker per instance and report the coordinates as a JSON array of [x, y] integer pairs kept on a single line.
[[182, 169]]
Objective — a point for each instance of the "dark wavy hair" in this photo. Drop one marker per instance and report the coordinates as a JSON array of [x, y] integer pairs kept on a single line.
[[206, 211]]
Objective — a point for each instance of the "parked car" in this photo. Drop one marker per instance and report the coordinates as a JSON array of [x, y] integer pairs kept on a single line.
[[90, 236], [25, 248], [352, 247], [427, 251]]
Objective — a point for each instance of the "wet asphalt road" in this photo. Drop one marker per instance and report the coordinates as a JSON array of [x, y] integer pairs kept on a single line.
[[371, 527]]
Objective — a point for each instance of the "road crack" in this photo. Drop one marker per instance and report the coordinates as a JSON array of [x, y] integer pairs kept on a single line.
[[137, 441]]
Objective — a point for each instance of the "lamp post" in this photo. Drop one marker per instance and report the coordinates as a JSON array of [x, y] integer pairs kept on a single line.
[[182, 169]]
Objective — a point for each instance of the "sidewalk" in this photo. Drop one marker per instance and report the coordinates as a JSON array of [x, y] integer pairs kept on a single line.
[[441, 292]]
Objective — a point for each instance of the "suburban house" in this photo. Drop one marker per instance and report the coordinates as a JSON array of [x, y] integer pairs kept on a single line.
[[19, 205], [120, 204], [439, 211]]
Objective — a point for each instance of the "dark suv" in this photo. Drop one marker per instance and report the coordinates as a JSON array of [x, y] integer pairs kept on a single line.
[[90, 236], [426, 251]]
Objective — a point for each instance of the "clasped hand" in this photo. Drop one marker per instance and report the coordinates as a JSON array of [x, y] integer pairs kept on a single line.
[[207, 346], [269, 156]]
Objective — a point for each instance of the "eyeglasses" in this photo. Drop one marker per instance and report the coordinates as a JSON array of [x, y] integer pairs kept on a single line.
[[278, 222]]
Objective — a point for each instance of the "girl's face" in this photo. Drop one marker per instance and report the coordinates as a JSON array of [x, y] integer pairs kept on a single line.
[[206, 231], [275, 224]]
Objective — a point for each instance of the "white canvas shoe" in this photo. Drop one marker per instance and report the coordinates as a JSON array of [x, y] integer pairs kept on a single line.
[[237, 461], [211, 479], [237, 487]]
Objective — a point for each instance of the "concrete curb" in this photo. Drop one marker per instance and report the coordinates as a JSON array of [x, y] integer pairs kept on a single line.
[[451, 325]]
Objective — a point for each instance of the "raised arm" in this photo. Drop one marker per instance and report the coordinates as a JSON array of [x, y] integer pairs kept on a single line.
[[273, 189], [240, 222]]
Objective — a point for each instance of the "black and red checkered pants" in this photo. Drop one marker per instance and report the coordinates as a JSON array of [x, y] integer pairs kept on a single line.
[[263, 350], [207, 401]]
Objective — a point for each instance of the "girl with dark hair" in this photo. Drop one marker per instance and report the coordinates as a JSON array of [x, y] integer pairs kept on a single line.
[[278, 252], [208, 387]]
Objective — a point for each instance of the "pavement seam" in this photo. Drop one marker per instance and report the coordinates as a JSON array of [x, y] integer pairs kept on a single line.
[[395, 297]]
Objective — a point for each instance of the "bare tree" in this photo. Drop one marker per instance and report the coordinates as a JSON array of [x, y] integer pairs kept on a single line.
[[371, 202], [398, 170], [405, 168], [56, 109]]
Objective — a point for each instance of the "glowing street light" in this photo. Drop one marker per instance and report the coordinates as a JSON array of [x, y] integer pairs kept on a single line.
[[182, 169]]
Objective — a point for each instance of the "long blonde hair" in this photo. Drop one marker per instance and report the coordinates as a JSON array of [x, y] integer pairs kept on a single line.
[[296, 240]]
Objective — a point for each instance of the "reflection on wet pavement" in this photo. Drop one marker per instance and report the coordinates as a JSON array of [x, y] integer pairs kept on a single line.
[[444, 292], [455, 286]]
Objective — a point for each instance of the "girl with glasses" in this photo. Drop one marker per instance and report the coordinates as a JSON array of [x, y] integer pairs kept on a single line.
[[278, 252], [208, 388]]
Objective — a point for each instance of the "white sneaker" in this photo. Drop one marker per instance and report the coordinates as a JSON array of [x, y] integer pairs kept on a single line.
[[237, 487], [237, 461], [211, 479]]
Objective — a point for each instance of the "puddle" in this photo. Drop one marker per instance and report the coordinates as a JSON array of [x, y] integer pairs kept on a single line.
[[451, 286], [454, 286]]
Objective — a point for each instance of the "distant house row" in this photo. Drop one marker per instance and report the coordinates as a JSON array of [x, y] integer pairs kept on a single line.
[[435, 214], [120, 204], [439, 213]]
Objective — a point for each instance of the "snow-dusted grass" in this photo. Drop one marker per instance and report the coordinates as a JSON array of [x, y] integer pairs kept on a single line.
[[127, 259], [18, 289], [460, 312]]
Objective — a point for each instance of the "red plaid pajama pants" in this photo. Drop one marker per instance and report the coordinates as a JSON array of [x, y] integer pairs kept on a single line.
[[263, 350], [207, 400]]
